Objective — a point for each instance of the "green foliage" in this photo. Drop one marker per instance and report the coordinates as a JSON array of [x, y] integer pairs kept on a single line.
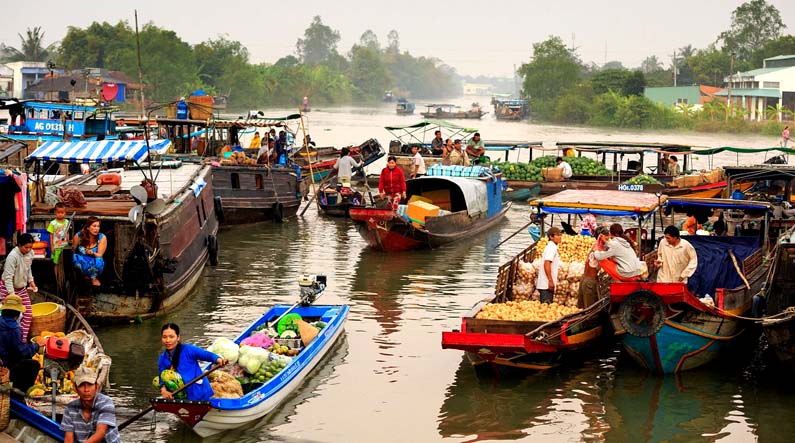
[[618, 80], [368, 73], [552, 69], [574, 106], [709, 66], [31, 48], [101, 45], [319, 43], [780, 46], [754, 23]]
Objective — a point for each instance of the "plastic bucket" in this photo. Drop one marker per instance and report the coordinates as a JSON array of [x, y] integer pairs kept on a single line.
[[46, 308]]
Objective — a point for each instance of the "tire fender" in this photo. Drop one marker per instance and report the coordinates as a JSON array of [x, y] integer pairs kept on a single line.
[[642, 313], [212, 249], [278, 212], [219, 208]]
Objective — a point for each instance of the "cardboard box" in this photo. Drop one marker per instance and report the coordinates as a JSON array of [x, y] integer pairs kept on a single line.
[[417, 211], [440, 198]]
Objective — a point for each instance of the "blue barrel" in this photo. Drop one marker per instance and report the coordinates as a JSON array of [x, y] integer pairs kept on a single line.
[[738, 195], [182, 110]]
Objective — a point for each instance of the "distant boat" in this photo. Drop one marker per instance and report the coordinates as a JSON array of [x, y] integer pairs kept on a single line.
[[404, 107], [388, 96], [445, 111], [512, 109]]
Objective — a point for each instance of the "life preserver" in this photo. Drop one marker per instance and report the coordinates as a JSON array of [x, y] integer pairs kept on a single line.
[[212, 249], [219, 208], [278, 212], [642, 313]]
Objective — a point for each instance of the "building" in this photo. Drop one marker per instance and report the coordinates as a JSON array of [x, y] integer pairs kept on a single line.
[[760, 91], [25, 74], [85, 84], [695, 95], [478, 89], [6, 81]]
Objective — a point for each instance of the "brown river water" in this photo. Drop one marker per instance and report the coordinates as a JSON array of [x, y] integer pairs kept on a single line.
[[388, 380]]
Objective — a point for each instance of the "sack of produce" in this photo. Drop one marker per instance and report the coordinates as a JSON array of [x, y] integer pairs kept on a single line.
[[307, 331], [172, 380], [525, 311], [225, 348], [251, 357], [225, 385], [259, 339]]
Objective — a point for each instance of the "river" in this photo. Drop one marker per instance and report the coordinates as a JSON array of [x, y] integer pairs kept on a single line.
[[388, 380]]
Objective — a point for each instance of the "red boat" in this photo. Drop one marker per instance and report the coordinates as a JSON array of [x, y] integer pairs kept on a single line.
[[468, 206]]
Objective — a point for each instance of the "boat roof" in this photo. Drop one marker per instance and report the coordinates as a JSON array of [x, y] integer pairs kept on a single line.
[[626, 147], [510, 145], [104, 151], [416, 132], [716, 203], [760, 172], [442, 105], [600, 202], [473, 190], [434, 123], [710, 151]]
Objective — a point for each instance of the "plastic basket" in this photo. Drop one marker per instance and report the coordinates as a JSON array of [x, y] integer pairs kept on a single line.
[[552, 174], [292, 343]]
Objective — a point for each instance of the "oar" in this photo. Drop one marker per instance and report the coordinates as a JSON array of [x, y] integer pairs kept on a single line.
[[512, 235], [149, 409]]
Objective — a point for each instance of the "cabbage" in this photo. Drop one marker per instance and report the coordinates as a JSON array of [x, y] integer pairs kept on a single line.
[[225, 348], [251, 357]]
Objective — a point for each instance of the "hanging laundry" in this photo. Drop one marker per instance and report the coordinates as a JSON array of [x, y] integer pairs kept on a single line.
[[9, 189]]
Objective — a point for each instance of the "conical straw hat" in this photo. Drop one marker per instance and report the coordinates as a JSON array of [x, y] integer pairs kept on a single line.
[[307, 331]]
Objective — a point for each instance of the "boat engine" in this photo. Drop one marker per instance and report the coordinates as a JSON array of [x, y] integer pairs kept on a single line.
[[311, 286], [60, 357]]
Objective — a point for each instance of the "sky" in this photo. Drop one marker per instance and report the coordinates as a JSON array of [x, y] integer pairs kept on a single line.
[[475, 37]]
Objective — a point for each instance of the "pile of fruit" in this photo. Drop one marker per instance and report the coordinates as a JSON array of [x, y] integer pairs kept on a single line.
[[643, 179], [238, 158], [532, 171], [525, 311], [572, 247], [268, 369], [93, 359]]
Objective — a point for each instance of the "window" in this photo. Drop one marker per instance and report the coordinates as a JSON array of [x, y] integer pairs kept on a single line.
[[198, 216], [204, 211], [235, 180], [770, 85], [258, 180], [681, 100]]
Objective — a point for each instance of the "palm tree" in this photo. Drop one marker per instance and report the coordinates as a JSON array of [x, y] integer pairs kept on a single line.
[[30, 49]]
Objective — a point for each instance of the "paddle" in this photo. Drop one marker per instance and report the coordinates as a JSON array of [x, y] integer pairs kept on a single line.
[[314, 195], [149, 409], [512, 235]]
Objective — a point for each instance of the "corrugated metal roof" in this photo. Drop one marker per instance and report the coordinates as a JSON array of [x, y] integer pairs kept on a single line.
[[770, 93], [670, 95], [780, 57], [760, 71]]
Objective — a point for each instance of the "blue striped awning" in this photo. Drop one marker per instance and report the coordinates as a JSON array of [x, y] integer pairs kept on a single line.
[[97, 151]]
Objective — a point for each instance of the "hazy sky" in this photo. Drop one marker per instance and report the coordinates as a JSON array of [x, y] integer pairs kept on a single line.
[[475, 37]]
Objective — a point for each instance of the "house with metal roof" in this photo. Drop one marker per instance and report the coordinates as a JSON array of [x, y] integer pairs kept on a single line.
[[769, 87], [83, 84], [695, 95]]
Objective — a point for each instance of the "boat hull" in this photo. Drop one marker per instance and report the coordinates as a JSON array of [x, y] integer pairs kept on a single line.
[[385, 231], [250, 194], [780, 335]]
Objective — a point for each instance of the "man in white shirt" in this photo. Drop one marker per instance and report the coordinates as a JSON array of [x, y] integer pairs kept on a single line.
[[676, 257], [345, 164], [567, 172], [419, 163], [550, 262]]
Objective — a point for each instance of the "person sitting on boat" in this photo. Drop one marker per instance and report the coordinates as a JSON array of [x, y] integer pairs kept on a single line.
[[589, 285], [18, 278], [457, 157], [92, 416], [665, 161], [446, 150], [184, 359], [417, 163], [15, 352], [567, 172], [89, 245], [691, 224], [620, 250], [266, 152], [392, 182], [676, 258], [476, 150], [255, 142], [281, 148], [673, 166], [309, 141], [588, 225], [437, 145], [548, 274], [345, 164]]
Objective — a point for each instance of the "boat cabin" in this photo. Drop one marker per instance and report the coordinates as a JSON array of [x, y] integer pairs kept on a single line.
[[613, 153], [32, 120]]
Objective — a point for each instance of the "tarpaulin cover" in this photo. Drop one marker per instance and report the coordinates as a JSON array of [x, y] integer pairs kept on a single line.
[[715, 268], [465, 193], [98, 151]]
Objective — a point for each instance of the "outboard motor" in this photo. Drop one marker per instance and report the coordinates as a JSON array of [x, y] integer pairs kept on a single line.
[[395, 147]]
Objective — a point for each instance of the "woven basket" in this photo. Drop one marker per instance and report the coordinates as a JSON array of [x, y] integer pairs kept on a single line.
[[55, 322], [5, 399], [552, 174]]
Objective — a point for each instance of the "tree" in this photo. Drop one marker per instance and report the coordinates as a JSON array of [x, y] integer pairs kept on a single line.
[[709, 66], [31, 48], [754, 23], [369, 40], [393, 42], [684, 75], [614, 64], [781, 46], [287, 61], [100, 45], [609, 80], [368, 73], [650, 65], [634, 84], [552, 69], [319, 43], [223, 67]]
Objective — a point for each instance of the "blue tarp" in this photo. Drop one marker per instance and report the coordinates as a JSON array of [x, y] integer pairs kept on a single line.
[[715, 267], [97, 151], [606, 212]]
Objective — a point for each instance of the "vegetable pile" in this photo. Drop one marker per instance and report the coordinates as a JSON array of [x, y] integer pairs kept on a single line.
[[532, 171], [643, 179]]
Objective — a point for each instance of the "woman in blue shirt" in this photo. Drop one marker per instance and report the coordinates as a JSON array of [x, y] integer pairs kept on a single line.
[[184, 359]]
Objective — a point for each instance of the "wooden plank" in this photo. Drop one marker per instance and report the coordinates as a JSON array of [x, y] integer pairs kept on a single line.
[[98, 190]]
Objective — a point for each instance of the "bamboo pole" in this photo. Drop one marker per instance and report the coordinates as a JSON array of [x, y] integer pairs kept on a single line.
[[308, 158]]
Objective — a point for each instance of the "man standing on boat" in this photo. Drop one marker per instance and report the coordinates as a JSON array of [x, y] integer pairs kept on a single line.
[[418, 163], [437, 145], [676, 258], [345, 164], [567, 172], [550, 259], [92, 417], [476, 150]]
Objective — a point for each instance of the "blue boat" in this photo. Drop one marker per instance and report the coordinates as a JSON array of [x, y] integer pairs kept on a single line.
[[672, 327], [34, 120], [218, 415]]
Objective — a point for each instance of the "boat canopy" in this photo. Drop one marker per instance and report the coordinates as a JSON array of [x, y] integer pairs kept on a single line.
[[441, 124], [711, 151], [416, 133], [98, 151], [465, 193], [600, 202], [717, 203], [759, 172], [627, 147]]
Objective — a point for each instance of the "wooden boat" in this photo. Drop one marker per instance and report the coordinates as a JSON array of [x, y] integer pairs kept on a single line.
[[668, 327], [522, 194], [217, 415], [525, 345], [471, 205], [255, 193], [41, 121], [336, 201], [404, 107], [448, 111], [154, 255], [511, 109], [779, 322], [29, 424], [368, 152]]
